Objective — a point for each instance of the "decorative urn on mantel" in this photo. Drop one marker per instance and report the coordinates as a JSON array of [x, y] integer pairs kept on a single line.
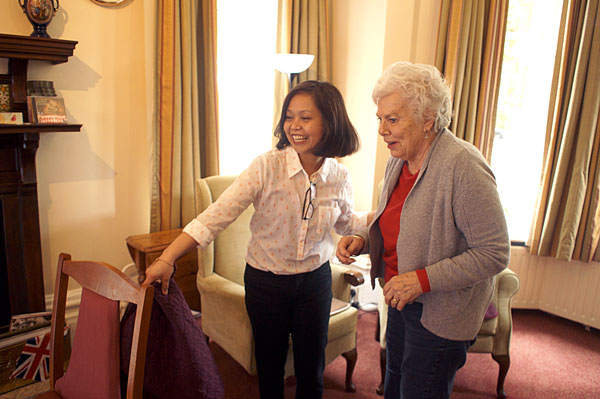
[[39, 13]]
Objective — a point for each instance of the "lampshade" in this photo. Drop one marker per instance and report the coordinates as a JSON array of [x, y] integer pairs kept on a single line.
[[293, 63]]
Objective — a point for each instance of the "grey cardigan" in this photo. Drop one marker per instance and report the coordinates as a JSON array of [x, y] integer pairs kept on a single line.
[[453, 225]]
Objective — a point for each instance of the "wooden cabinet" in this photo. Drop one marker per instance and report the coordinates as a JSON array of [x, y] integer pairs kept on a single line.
[[145, 248], [21, 271]]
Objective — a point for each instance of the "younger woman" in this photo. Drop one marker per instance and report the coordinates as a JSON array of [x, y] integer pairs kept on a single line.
[[300, 193]]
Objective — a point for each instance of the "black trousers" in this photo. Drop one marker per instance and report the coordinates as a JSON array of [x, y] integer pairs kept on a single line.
[[284, 305]]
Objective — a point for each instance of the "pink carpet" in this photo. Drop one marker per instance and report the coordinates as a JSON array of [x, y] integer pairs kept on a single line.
[[550, 358]]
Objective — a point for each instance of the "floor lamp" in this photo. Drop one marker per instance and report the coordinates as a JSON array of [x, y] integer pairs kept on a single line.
[[293, 64]]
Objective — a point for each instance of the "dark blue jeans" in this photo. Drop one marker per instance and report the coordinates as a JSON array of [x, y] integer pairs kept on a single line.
[[282, 305], [420, 365]]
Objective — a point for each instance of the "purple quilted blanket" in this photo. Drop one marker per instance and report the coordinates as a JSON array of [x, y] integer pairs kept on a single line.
[[179, 364]]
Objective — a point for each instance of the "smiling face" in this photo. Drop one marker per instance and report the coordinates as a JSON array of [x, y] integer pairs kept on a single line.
[[303, 125], [401, 131]]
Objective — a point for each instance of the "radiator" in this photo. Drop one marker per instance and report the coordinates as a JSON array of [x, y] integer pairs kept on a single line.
[[566, 289]]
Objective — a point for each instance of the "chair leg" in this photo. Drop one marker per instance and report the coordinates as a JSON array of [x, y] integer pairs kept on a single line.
[[377, 328], [382, 366], [504, 363], [350, 357]]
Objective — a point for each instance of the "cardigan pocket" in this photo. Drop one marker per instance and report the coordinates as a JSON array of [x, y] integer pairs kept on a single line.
[[448, 304]]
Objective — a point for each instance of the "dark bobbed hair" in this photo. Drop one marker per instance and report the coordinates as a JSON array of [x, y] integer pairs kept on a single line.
[[339, 136]]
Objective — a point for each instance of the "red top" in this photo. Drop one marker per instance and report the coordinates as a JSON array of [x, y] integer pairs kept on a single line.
[[389, 224]]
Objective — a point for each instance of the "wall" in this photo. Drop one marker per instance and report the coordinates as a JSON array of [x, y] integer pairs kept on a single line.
[[94, 186], [358, 31], [366, 38]]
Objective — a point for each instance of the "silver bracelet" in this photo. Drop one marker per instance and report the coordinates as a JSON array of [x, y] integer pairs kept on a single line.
[[173, 265]]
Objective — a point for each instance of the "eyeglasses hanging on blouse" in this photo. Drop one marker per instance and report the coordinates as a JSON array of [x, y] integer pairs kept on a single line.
[[308, 207]]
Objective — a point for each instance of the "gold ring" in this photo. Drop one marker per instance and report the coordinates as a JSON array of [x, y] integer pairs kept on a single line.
[[394, 300]]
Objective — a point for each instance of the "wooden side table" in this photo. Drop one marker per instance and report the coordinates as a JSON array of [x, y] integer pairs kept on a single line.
[[145, 248]]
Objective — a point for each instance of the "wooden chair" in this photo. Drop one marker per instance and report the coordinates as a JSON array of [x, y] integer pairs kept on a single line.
[[94, 365]]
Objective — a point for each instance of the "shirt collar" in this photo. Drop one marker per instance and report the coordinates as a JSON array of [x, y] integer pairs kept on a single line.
[[294, 166]]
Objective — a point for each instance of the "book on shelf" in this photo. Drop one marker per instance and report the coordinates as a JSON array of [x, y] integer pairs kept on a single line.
[[11, 118], [43, 109]]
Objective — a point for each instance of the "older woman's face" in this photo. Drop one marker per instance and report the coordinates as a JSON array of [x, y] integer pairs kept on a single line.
[[404, 136]]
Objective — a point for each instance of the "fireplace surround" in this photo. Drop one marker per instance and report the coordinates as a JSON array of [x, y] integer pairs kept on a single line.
[[21, 270]]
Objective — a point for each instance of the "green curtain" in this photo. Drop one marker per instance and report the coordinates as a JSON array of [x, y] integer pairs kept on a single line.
[[310, 35], [567, 221], [302, 28], [469, 53], [185, 136]]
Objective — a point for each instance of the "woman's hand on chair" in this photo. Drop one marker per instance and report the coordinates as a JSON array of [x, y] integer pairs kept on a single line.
[[163, 268], [160, 270]]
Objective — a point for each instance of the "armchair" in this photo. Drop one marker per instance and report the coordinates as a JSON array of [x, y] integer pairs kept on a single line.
[[221, 285], [494, 334]]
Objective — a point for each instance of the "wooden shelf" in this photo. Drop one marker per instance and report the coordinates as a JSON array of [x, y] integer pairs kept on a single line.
[[20, 241], [39, 128], [19, 50], [36, 48]]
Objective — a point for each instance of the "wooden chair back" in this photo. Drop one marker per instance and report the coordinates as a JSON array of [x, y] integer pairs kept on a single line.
[[111, 283]]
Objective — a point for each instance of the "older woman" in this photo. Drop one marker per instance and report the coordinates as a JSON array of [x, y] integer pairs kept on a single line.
[[438, 237]]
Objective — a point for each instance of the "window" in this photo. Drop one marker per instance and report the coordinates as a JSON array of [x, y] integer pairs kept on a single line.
[[527, 68], [246, 42]]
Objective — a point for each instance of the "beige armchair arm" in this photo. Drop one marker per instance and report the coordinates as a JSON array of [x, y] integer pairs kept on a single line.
[[353, 277], [341, 280], [508, 285]]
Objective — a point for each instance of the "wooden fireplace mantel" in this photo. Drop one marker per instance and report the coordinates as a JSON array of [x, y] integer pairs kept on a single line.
[[19, 50], [20, 246], [35, 48]]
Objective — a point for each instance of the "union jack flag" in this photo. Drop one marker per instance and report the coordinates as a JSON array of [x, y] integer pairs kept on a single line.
[[34, 362]]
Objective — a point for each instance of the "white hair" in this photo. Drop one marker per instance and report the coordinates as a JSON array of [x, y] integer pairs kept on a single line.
[[423, 86]]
